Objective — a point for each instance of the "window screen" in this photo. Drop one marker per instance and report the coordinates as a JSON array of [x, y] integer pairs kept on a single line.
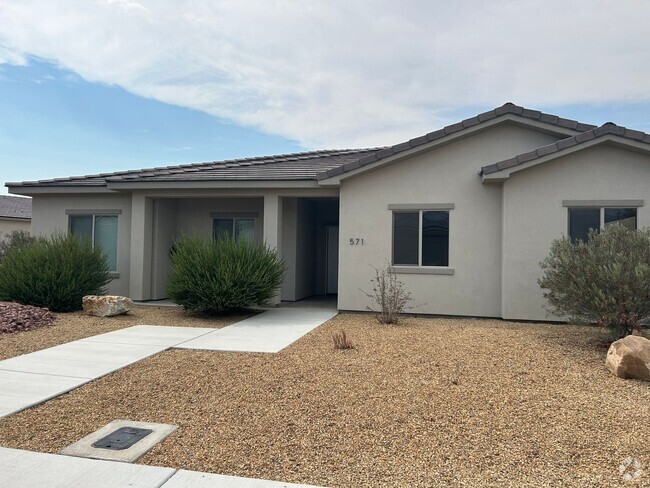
[[100, 230], [106, 237], [241, 228]]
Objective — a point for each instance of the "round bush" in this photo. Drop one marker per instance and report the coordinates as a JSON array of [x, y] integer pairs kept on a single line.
[[54, 273], [223, 275]]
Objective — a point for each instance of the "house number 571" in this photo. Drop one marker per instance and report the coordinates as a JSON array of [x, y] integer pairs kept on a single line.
[[356, 241]]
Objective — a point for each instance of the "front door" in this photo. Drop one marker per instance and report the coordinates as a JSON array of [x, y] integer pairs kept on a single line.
[[332, 258]]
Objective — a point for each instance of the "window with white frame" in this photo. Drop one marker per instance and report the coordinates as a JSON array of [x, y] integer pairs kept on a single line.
[[421, 238], [583, 219], [241, 228], [100, 230]]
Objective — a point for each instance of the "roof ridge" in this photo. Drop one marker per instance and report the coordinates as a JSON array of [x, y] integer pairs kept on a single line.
[[578, 139]]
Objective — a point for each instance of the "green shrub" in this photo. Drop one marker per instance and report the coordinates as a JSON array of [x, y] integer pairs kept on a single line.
[[605, 280], [14, 240], [223, 275], [53, 272]]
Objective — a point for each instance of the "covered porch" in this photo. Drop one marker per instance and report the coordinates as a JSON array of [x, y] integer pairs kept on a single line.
[[301, 225]]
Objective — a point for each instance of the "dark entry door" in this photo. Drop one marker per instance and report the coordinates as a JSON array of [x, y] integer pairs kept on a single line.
[[332, 258]]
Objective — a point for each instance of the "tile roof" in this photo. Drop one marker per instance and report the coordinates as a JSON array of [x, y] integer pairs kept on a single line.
[[304, 166], [15, 207], [282, 167], [562, 144], [506, 109]]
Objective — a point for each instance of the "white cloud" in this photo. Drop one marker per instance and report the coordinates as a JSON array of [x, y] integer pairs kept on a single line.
[[11, 56], [339, 73]]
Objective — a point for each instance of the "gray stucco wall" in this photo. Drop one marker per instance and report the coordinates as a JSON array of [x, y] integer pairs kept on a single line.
[[447, 174], [534, 215], [49, 216]]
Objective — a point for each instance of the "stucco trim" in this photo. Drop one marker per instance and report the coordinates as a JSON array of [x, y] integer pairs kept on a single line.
[[423, 270], [421, 206], [234, 215], [96, 211], [603, 203]]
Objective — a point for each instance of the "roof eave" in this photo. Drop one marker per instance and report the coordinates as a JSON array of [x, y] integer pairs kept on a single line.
[[209, 184], [503, 174], [29, 190], [20, 219]]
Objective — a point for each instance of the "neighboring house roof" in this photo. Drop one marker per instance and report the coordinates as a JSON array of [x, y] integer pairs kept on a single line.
[[294, 166], [571, 143], [15, 207]]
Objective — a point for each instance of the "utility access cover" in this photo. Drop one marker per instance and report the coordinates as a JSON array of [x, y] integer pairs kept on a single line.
[[122, 438]]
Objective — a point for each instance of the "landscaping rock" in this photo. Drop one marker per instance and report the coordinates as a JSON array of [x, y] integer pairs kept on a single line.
[[630, 358], [15, 317], [106, 306]]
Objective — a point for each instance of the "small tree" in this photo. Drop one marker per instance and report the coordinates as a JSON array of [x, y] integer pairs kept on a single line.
[[388, 295], [217, 276], [605, 280]]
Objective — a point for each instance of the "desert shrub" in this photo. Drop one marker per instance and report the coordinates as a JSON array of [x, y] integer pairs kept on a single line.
[[14, 240], [217, 276], [389, 298], [341, 340], [605, 280], [54, 273]]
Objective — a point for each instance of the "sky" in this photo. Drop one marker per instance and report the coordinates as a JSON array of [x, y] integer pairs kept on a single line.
[[105, 85]]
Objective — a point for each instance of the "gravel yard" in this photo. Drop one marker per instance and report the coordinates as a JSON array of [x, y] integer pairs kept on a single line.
[[72, 326], [433, 402]]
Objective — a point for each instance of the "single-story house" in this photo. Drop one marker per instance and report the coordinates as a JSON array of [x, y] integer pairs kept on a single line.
[[464, 213], [15, 214]]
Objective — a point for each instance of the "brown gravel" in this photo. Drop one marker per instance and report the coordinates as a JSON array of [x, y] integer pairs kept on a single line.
[[72, 326], [433, 402]]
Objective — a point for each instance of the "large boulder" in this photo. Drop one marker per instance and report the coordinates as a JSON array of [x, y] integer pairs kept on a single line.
[[630, 358], [106, 305]]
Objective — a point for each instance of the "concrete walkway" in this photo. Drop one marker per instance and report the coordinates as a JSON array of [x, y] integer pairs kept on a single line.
[[27, 469], [270, 331], [36, 377]]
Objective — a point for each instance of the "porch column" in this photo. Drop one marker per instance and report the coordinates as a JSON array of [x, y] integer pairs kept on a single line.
[[141, 240], [273, 229]]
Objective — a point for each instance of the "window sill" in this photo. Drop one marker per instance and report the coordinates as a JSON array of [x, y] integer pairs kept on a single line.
[[113, 275], [423, 270]]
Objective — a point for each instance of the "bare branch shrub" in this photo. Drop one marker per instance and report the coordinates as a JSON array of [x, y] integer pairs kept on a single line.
[[341, 340], [388, 295]]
